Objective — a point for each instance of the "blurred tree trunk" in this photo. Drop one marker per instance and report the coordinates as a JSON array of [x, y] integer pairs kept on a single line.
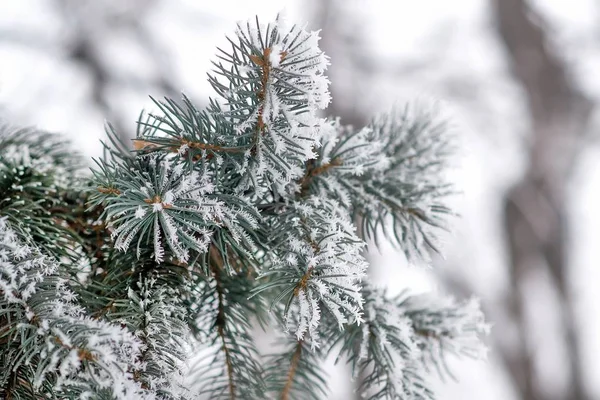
[[535, 215]]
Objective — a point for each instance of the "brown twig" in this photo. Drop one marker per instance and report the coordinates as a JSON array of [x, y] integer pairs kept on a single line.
[[285, 393], [109, 190], [82, 354], [429, 334], [140, 144], [301, 286], [109, 307], [216, 267], [265, 65], [158, 200], [312, 171]]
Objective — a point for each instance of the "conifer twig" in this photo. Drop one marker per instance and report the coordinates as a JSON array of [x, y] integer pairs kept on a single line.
[[217, 267], [292, 371], [312, 171], [265, 65]]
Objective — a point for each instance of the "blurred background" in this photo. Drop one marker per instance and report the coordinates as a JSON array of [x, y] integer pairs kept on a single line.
[[518, 80]]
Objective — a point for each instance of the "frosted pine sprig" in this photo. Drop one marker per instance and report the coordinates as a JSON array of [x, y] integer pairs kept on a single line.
[[388, 354], [413, 190], [40, 150], [227, 365], [401, 337], [274, 86], [51, 338], [158, 200], [159, 321], [345, 158], [391, 175], [318, 266], [444, 324]]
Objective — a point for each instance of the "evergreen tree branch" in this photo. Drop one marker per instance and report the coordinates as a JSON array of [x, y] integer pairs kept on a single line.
[[275, 85], [397, 342], [392, 172], [316, 264], [223, 326], [161, 248], [312, 171], [72, 353]]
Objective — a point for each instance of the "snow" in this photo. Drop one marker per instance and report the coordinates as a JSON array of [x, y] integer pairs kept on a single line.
[[140, 212]]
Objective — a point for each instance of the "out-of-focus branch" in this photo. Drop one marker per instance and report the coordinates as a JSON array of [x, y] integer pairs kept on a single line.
[[85, 50], [165, 77]]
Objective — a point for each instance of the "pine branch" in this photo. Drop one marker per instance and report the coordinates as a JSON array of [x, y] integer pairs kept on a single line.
[[275, 85], [444, 326], [395, 343], [161, 248], [312, 171], [316, 263], [192, 134], [71, 352], [38, 180], [296, 371], [222, 327], [392, 170], [157, 318]]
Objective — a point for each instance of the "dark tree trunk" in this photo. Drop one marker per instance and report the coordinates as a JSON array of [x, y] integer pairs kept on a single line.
[[535, 217]]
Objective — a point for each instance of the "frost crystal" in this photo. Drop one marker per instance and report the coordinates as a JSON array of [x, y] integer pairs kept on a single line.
[[140, 212], [323, 254]]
